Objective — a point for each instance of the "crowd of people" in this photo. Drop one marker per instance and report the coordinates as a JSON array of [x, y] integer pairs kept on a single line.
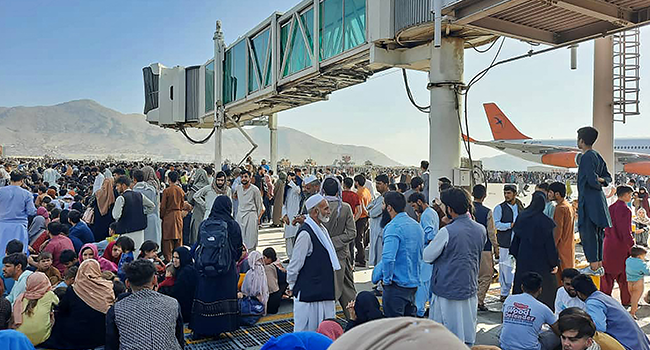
[[126, 255]]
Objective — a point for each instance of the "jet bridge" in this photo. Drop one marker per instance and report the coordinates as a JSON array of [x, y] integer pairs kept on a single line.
[[320, 46]]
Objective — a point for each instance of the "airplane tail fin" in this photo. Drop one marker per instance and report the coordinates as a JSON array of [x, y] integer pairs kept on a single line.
[[502, 128]]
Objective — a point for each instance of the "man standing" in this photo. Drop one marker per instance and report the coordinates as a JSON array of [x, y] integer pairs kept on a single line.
[[290, 210], [16, 204], [399, 269], [342, 232], [362, 223], [278, 199], [310, 273], [610, 316], [617, 244], [250, 210], [549, 209], [171, 213], [51, 176], [593, 216], [483, 215], [417, 185], [424, 168], [563, 217], [430, 223], [455, 253], [505, 215], [99, 179], [375, 209], [130, 211], [144, 319]]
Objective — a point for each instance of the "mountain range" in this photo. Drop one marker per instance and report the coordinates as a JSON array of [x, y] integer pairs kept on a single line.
[[86, 129]]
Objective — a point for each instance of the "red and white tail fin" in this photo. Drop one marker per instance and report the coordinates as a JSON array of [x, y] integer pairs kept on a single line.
[[502, 128]]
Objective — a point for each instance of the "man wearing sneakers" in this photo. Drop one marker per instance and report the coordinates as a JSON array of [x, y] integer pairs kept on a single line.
[[593, 213]]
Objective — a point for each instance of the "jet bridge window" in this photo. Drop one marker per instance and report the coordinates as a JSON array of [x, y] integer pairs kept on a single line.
[[150, 89]]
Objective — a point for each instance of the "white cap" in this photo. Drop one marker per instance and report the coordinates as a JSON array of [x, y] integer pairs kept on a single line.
[[309, 179], [313, 201]]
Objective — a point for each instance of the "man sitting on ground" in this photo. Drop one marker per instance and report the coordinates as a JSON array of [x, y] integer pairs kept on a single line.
[[144, 319], [609, 315], [566, 296]]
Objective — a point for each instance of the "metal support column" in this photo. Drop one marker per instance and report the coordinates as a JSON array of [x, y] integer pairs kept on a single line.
[[273, 131], [603, 100], [219, 110], [445, 73]]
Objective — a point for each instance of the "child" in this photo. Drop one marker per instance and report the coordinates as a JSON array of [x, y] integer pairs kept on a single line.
[[69, 258], [68, 277], [149, 251], [44, 265], [118, 288], [276, 277], [635, 269], [170, 278], [128, 246]]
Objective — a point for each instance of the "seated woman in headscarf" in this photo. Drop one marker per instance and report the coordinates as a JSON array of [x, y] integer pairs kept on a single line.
[[112, 253], [364, 308], [81, 316], [218, 292], [186, 281], [642, 227], [534, 248], [276, 277], [38, 225], [255, 282], [33, 309], [89, 251]]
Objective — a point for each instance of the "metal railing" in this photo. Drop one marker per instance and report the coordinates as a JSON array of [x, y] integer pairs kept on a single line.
[[627, 58], [409, 13]]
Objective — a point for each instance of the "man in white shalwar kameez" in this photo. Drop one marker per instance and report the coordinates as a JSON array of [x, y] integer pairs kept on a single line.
[[455, 252], [99, 179], [375, 209], [51, 176], [310, 273], [290, 209], [16, 204], [250, 210]]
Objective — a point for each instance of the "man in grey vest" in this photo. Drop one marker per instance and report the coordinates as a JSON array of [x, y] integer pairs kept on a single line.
[[130, 211], [505, 215], [144, 319], [455, 253]]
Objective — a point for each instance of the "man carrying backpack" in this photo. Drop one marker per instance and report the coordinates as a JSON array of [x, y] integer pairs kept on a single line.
[[220, 246]]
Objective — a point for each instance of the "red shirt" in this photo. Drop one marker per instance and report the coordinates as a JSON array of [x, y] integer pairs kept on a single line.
[[56, 245], [352, 199]]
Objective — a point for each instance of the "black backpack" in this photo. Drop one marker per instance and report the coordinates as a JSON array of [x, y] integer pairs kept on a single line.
[[213, 255]]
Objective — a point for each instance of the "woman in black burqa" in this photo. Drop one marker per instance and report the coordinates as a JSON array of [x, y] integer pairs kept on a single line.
[[215, 308], [533, 246]]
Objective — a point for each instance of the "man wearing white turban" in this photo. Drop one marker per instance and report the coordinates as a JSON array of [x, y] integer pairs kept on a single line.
[[310, 277]]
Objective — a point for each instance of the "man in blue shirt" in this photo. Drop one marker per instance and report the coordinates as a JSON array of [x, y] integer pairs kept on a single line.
[[505, 215], [430, 222], [399, 269], [609, 315], [524, 316], [16, 204], [79, 228]]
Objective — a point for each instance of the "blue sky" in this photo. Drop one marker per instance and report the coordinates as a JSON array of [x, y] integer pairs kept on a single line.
[[56, 51]]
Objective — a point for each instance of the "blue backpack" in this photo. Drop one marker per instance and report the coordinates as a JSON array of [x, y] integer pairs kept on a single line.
[[213, 254]]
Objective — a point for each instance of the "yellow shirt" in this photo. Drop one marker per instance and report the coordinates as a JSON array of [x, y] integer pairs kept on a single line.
[[606, 342], [364, 198], [38, 326]]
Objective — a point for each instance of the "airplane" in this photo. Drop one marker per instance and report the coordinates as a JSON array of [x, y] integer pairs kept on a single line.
[[632, 155]]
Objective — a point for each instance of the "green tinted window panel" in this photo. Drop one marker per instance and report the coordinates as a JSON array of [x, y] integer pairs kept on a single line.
[[209, 87], [239, 70], [307, 20], [227, 77], [331, 28], [260, 46], [284, 37], [355, 23], [298, 58]]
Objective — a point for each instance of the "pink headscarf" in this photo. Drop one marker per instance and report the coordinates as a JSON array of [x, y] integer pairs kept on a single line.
[[35, 288], [330, 329], [255, 283], [42, 212], [105, 264]]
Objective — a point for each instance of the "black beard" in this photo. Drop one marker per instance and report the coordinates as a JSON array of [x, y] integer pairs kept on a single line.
[[385, 218]]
